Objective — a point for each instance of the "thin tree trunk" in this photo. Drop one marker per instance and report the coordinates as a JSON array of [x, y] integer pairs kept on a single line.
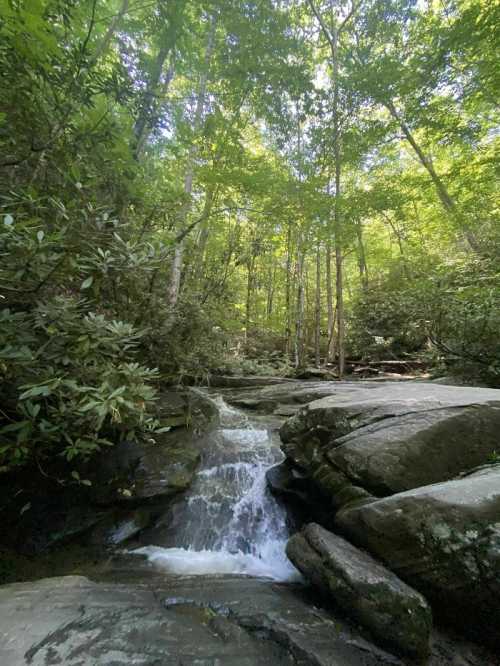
[[336, 210], [270, 293], [317, 322], [340, 311], [177, 263], [288, 314], [210, 198], [363, 268], [106, 40], [330, 352], [445, 197], [250, 286], [299, 315]]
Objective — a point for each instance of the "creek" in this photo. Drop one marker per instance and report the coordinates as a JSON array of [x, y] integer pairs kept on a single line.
[[227, 522]]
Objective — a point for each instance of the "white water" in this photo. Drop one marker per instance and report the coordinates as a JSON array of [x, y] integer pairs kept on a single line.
[[227, 522]]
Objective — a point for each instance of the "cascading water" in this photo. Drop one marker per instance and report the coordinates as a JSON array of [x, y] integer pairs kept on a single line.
[[227, 522]]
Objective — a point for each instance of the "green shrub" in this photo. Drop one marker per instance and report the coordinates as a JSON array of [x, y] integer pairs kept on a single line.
[[70, 383]]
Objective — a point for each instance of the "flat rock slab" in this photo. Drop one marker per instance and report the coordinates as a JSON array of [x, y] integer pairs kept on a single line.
[[445, 540], [396, 615], [286, 397], [193, 621], [188, 622], [392, 437], [238, 381]]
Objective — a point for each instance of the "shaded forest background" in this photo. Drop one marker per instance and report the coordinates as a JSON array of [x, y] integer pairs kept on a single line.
[[214, 186]]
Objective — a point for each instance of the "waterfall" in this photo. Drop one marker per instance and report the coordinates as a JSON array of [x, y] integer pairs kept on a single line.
[[228, 521]]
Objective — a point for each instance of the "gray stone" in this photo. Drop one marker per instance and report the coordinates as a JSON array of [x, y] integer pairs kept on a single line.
[[393, 437], [119, 527], [239, 381], [132, 472], [134, 617], [396, 615], [445, 540], [188, 622]]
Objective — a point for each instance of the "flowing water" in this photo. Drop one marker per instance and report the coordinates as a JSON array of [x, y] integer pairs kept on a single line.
[[227, 522]]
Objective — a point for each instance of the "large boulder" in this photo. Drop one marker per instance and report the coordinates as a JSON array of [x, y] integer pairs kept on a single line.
[[396, 615], [387, 438], [444, 539]]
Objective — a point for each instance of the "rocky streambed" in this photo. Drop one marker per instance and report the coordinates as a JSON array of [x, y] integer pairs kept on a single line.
[[387, 500]]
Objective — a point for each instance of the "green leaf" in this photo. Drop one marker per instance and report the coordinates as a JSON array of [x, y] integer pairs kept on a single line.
[[87, 283], [36, 390]]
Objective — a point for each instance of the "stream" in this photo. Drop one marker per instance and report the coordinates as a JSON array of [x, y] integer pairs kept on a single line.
[[227, 522]]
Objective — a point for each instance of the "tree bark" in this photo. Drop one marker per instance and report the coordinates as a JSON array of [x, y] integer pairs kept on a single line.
[[288, 314], [336, 210], [363, 268], [299, 314], [317, 313], [250, 287], [330, 352]]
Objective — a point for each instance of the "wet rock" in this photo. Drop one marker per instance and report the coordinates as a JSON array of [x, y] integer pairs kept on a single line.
[[133, 472], [228, 621], [396, 615], [393, 437], [285, 480], [444, 539], [72, 620], [119, 526]]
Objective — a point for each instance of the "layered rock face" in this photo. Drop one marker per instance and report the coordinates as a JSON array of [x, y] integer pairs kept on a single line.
[[395, 436], [393, 463]]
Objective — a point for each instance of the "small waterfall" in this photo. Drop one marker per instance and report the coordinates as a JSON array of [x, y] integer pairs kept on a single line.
[[227, 522]]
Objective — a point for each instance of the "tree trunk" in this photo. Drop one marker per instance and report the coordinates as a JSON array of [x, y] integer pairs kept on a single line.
[[270, 293], [250, 286], [288, 314], [317, 318], [336, 210], [299, 315], [363, 268], [330, 352]]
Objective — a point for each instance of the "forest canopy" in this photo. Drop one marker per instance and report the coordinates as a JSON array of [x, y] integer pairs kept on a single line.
[[216, 186]]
